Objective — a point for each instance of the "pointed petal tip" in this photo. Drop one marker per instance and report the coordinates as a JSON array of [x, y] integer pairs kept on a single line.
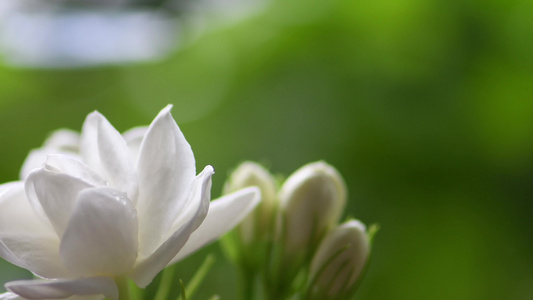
[[94, 115], [165, 111], [254, 194], [208, 170], [165, 116]]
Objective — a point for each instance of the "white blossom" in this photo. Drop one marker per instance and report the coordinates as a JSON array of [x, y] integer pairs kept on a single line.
[[110, 206]]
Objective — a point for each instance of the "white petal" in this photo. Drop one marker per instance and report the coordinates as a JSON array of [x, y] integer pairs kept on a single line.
[[6, 187], [34, 160], [104, 150], [75, 168], [64, 140], [224, 214], [55, 194], [13, 296], [166, 171], [133, 138], [101, 236], [38, 157], [201, 188], [63, 288], [89, 142], [148, 268], [10, 296], [27, 240]]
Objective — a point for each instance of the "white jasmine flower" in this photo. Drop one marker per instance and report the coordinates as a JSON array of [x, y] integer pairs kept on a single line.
[[123, 206]]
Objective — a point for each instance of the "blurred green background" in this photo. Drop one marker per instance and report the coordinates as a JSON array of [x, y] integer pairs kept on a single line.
[[425, 107]]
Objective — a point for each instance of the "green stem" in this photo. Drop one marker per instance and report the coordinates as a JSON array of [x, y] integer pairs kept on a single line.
[[247, 285], [123, 288], [199, 276], [165, 284]]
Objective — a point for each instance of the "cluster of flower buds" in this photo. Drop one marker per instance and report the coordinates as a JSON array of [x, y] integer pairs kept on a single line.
[[293, 242]]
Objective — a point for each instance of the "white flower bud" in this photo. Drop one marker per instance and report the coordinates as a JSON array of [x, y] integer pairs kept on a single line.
[[257, 223], [339, 261], [312, 200]]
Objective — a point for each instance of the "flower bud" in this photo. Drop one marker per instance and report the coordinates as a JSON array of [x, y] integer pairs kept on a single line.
[[312, 200], [339, 261], [257, 224]]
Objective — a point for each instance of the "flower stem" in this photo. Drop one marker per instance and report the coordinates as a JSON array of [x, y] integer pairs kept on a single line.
[[165, 284], [247, 284], [199, 276], [123, 288]]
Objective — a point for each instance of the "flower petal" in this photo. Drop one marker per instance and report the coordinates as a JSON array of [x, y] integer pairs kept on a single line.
[[10, 296], [200, 194], [6, 187], [33, 161], [101, 236], [54, 194], [166, 169], [133, 138], [62, 141], [75, 168], [105, 151], [224, 214], [63, 288], [26, 240], [13, 296], [196, 200]]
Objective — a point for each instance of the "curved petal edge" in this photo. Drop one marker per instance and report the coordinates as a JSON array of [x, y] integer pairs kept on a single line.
[[63, 288], [224, 214]]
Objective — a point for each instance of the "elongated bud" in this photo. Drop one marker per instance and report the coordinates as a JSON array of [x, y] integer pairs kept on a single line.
[[339, 261], [312, 200], [257, 223]]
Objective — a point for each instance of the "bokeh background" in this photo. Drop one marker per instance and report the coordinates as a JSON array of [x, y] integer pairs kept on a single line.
[[425, 107]]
